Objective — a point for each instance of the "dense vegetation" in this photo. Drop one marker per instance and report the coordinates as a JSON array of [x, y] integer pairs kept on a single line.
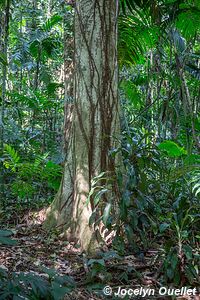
[[156, 214]]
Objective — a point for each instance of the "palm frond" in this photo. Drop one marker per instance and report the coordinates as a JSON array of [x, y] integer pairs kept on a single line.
[[50, 23], [188, 22], [133, 5], [2, 3], [3, 59], [136, 36], [193, 70]]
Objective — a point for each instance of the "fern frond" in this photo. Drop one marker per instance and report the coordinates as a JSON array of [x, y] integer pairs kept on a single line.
[[50, 23], [39, 161], [13, 158]]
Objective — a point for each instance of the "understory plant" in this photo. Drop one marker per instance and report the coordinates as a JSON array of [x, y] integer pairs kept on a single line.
[[158, 206], [31, 180], [30, 285]]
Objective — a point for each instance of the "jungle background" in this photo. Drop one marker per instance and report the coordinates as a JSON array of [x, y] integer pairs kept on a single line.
[[155, 239]]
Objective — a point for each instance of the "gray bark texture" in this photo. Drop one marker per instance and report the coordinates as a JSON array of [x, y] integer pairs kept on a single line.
[[95, 120]]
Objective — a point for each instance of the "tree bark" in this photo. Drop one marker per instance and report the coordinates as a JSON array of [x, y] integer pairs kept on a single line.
[[95, 124], [68, 74], [4, 36]]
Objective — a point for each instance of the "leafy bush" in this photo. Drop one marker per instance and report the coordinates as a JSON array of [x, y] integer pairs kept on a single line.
[[33, 286], [159, 201], [31, 179]]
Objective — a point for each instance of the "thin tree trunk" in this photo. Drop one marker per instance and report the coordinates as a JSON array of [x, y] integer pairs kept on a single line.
[[4, 67], [187, 106], [95, 125], [4, 46]]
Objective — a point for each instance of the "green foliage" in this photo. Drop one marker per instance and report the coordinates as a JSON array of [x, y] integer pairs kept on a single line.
[[195, 181], [133, 5], [181, 260], [32, 111], [45, 42], [98, 271], [3, 59], [32, 286], [155, 204], [98, 196], [31, 177], [11, 158], [172, 149], [187, 21], [136, 37], [132, 93], [5, 238], [50, 23], [159, 183]]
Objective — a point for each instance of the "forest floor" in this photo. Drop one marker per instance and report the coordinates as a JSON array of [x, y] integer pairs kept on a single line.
[[36, 250]]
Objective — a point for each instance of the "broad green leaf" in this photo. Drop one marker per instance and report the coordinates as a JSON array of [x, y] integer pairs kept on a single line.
[[5, 233], [7, 241], [172, 149], [59, 291], [96, 261], [99, 195], [163, 227], [188, 251], [174, 261]]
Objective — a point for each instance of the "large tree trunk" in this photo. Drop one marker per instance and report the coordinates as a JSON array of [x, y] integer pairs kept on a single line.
[[95, 125]]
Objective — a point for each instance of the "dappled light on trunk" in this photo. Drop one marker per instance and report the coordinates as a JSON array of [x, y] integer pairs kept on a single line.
[[99, 149], [95, 125]]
